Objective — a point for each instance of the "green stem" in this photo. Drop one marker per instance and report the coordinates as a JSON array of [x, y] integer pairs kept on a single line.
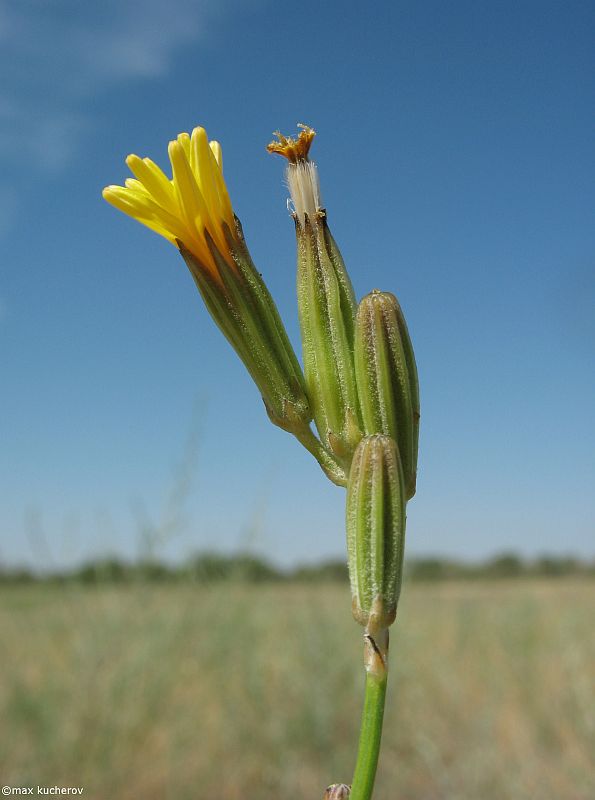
[[371, 731]]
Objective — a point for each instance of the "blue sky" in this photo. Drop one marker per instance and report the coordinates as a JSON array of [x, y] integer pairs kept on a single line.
[[455, 152]]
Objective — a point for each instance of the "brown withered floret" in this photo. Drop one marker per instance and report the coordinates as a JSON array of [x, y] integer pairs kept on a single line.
[[293, 150]]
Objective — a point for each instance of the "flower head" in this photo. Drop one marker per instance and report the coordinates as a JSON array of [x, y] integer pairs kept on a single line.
[[193, 209]]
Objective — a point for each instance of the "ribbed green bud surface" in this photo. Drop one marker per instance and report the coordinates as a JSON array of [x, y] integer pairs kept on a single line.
[[375, 530], [326, 308], [387, 378], [244, 310]]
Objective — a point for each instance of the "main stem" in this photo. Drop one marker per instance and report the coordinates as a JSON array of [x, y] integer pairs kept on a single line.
[[372, 717]]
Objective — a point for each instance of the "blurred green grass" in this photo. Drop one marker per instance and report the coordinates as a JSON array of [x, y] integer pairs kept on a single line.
[[238, 692]]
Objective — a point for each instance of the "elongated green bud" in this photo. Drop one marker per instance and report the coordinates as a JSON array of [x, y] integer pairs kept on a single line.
[[241, 305], [375, 531], [327, 351], [387, 378], [326, 305]]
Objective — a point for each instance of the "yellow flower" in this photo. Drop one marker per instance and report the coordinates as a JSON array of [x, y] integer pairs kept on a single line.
[[192, 205]]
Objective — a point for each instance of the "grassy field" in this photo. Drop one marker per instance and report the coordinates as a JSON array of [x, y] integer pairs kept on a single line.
[[242, 693]]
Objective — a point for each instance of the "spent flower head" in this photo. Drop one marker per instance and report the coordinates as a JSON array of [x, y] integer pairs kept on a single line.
[[326, 304]]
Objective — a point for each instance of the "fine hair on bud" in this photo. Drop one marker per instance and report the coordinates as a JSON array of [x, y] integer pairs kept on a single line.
[[375, 530]]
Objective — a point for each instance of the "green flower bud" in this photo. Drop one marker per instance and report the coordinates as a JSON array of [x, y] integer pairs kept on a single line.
[[375, 531], [387, 378], [338, 791], [327, 351], [241, 305], [326, 305]]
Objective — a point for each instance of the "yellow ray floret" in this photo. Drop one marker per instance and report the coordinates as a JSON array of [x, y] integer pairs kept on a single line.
[[195, 201]]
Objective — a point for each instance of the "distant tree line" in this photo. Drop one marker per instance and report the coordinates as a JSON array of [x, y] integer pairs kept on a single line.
[[245, 567]]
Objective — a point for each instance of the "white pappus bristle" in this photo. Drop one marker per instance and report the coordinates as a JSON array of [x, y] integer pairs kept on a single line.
[[304, 188]]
